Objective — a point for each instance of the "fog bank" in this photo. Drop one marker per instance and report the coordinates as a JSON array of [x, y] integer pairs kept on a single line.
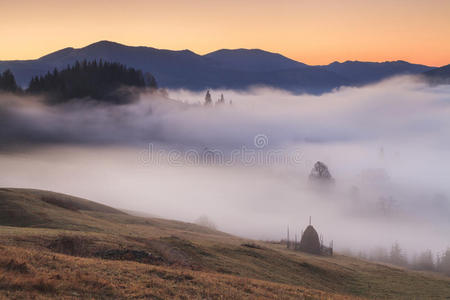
[[386, 145]]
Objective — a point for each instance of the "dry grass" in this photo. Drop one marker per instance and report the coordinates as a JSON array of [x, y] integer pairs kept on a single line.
[[62, 276], [56, 253]]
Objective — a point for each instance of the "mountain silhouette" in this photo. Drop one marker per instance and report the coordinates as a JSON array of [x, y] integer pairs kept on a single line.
[[254, 60], [368, 72], [439, 75], [232, 69]]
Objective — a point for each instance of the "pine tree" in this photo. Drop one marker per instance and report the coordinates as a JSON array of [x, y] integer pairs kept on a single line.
[[150, 81], [208, 99], [396, 256], [424, 261], [443, 264], [221, 99], [8, 82]]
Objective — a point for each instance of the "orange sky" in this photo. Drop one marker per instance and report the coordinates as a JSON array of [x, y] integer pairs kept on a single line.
[[311, 31]]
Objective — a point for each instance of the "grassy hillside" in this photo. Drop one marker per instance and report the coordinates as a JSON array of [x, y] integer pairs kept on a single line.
[[57, 245], [33, 274]]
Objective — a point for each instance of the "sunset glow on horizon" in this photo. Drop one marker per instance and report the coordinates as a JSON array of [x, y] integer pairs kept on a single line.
[[313, 32]]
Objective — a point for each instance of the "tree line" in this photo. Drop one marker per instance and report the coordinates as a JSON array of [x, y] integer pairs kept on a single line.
[[424, 261], [99, 80]]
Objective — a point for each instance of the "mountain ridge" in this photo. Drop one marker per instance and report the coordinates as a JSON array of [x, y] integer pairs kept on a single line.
[[224, 68], [367, 72]]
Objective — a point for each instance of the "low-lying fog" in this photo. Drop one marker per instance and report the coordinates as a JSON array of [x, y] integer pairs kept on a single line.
[[245, 165]]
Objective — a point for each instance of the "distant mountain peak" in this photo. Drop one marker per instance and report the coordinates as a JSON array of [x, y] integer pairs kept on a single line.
[[241, 50], [105, 43], [246, 51], [252, 60], [100, 45]]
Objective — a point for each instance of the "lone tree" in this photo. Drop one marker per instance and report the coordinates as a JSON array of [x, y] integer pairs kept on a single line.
[[208, 99], [8, 82], [320, 173]]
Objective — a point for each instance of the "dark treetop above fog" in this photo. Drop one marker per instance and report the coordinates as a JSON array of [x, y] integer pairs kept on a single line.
[[8, 82], [233, 69]]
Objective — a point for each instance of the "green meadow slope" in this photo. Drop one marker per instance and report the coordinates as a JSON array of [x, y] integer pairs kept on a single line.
[[55, 245]]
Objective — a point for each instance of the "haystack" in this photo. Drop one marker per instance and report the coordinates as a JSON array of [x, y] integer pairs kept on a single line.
[[310, 241]]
